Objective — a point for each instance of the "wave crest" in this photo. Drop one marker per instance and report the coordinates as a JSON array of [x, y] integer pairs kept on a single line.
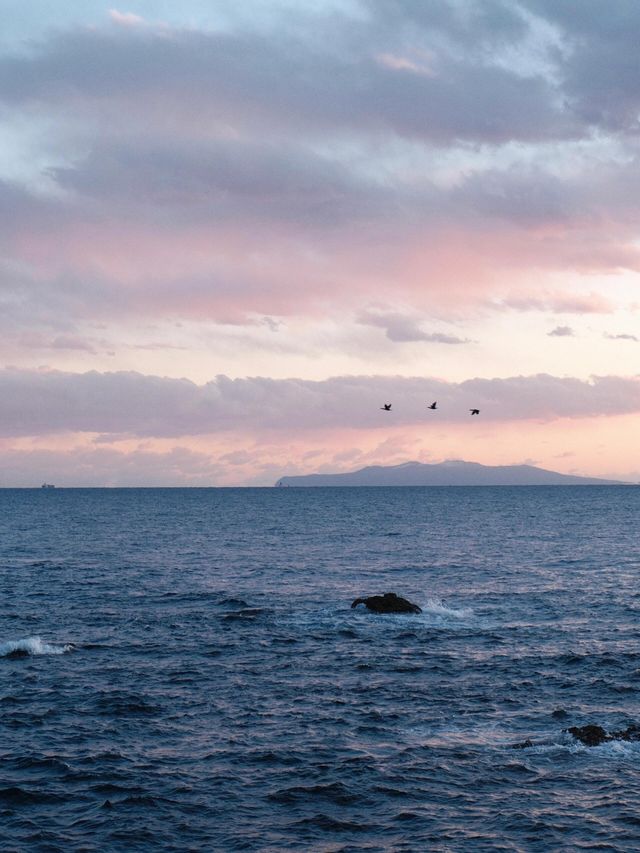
[[435, 607], [31, 646]]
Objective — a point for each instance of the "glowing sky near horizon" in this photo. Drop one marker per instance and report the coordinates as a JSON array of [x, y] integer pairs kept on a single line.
[[230, 232]]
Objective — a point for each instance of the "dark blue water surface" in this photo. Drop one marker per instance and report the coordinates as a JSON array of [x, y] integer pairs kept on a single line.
[[196, 679]]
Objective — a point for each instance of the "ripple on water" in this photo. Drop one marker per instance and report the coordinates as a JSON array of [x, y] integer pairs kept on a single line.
[[334, 792], [123, 704], [223, 695], [17, 796]]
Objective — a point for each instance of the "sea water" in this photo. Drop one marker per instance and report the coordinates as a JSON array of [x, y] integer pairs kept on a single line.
[[180, 669]]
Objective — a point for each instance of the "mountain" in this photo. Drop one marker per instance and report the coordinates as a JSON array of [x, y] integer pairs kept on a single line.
[[452, 473]]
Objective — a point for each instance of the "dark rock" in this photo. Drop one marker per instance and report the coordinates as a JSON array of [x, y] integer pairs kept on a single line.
[[589, 735], [592, 735], [17, 653], [387, 603], [559, 714], [631, 733], [595, 735]]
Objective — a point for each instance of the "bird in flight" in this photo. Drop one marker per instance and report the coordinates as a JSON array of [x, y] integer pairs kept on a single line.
[[434, 405], [386, 407], [475, 411]]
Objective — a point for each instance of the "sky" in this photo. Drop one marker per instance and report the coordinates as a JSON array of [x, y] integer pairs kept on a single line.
[[229, 233]]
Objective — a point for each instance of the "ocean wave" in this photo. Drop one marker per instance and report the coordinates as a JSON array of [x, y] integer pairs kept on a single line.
[[15, 796], [35, 762], [435, 607], [244, 615], [335, 792], [331, 824], [32, 646], [122, 704], [610, 750]]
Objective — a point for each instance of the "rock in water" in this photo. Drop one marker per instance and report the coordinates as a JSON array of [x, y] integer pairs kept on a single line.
[[387, 603], [17, 653], [631, 733], [595, 735], [525, 744], [589, 735], [592, 735]]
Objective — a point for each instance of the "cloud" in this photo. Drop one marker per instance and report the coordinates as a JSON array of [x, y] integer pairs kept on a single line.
[[332, 78], [86, 466], [446, 72], [121, 403], [238, 457], [232, 179], [72, 342], [600, 75], [558, 303], [561, 332], [125, 19], [428, 152], [403, 328], [157, 345], [221, 229], [622, 337]]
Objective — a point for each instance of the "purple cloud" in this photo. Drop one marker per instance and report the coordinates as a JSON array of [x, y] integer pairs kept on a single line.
[[270, 169], [622, 337], [402, 328], [561, 332], [333, 79], [558, 303], [44, 402]]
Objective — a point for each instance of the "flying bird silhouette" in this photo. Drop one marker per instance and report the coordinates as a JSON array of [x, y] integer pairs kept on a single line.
[[434, 405], [475, 411], [386, 407]]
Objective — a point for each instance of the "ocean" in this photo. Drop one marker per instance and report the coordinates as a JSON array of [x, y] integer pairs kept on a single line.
[[181, 669]]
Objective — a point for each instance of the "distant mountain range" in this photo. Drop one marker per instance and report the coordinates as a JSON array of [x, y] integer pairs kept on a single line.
[[452, 473]]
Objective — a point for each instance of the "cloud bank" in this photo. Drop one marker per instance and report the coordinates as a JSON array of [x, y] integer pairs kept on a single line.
[[129, 403]]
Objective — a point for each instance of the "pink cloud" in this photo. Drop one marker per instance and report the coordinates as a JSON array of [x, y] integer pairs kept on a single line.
[[107, 466], [125, 19], [226, 230], [559, 303], [600, 447]]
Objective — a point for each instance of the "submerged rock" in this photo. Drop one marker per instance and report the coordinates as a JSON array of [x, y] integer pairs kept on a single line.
[[592, 735], [15, 654], [525, 744], [595, 735], [387, 603], [631, 733]]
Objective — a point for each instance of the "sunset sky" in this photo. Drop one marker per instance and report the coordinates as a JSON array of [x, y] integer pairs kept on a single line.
[[229, 232]]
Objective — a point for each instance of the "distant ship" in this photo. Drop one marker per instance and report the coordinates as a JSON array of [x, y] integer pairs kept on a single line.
[[47, 486]]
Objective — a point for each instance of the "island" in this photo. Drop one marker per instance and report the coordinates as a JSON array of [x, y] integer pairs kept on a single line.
[[452, 473]]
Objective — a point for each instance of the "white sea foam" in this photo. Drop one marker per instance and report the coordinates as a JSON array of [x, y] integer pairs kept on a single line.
[[435, 607], [566, 743], [543, 743], [32, 646]]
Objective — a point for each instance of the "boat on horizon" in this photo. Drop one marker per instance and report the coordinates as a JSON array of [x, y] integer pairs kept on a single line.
[[47, 486]]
